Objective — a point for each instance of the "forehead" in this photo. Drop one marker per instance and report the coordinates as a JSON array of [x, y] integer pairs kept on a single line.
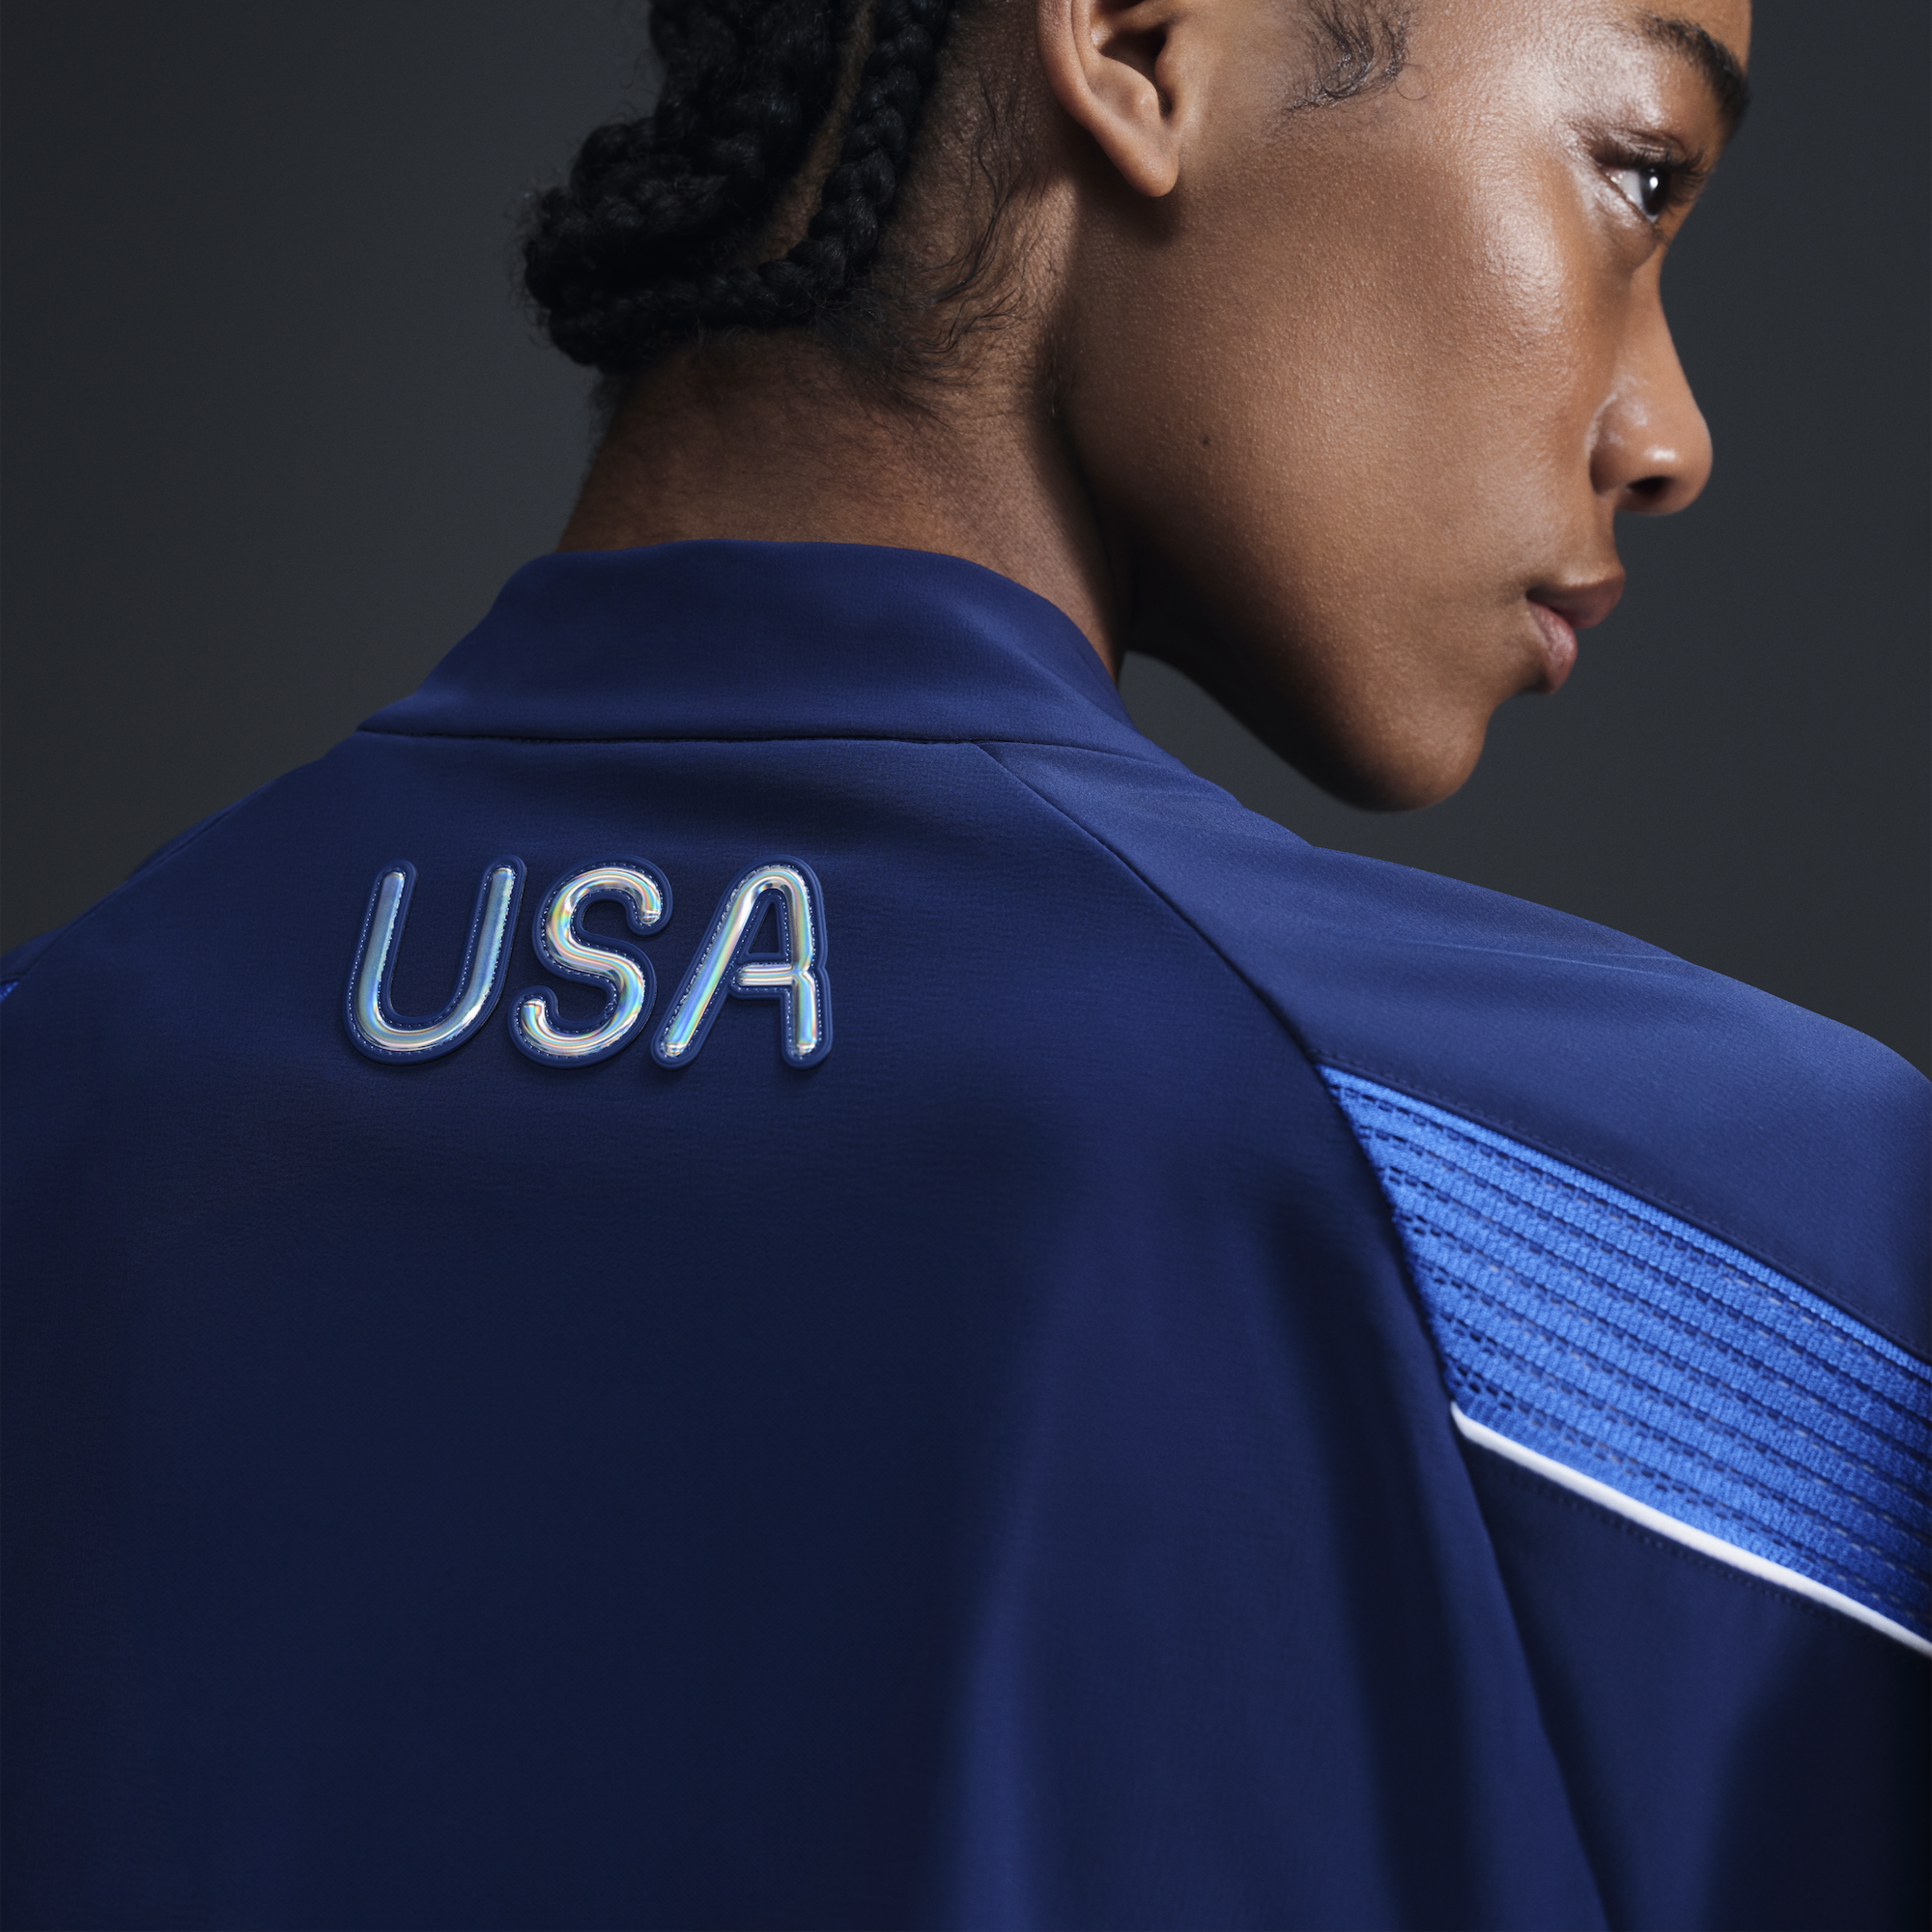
[[1726, 21], [1722, 26], [1706, 43]]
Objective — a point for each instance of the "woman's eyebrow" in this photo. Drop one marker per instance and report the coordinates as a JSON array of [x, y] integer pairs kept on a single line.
[[1722, 71]]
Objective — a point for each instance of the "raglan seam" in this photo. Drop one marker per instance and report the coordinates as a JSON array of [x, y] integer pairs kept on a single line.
[[1542, 1485], [1418, 1308], [1127, 865], [1612, 1176], [1318, 1059], [156, 862], [1159, 758]]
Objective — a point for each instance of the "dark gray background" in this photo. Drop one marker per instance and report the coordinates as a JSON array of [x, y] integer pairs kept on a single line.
[[277, 430]]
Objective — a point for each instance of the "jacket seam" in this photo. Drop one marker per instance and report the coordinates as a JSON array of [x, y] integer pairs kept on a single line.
[[758, 738], [1607, 1172], [1531, 1479], [1401, 1256], [1153, 892], [156, 862]]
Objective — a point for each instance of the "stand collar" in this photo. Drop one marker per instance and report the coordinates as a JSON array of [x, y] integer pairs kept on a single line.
[[738, 641]]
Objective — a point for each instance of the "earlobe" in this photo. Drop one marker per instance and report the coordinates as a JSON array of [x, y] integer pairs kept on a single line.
[[1121, 72]]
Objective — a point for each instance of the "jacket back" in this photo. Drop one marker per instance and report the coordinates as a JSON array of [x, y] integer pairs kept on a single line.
[[969, 1334]]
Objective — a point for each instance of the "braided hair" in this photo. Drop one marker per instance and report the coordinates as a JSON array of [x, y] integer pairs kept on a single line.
[[655, 237], [646, 242]]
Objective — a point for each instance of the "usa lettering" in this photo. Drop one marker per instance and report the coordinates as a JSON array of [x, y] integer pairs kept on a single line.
[[725, 967]]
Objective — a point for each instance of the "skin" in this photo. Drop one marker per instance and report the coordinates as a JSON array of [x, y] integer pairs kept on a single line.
[[1333, 406]]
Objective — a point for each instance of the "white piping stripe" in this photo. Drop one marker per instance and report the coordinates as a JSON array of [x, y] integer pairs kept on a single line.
[[1683, 1532]]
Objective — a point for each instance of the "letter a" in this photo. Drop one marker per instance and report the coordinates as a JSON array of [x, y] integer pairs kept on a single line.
[[795, 978]]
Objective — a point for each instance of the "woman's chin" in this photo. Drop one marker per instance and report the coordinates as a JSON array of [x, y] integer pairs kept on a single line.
[[1390, 770]]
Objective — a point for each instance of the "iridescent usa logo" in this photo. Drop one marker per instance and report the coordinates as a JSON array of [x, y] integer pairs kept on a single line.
[[726, 966]]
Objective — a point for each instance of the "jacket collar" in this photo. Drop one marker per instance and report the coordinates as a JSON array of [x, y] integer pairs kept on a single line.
[[731, 640]]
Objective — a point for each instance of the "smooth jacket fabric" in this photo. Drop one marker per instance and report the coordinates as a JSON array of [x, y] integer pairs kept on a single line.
[[999, 1473]]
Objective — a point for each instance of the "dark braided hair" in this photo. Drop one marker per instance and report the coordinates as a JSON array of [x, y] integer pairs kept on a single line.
[[646, 242], [656, 235]]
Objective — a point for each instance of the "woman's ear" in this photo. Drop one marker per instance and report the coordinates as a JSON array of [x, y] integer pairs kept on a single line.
[[1130, 72]]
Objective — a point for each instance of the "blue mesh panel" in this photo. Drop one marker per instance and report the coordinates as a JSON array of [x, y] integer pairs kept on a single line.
[[1582, 1323]]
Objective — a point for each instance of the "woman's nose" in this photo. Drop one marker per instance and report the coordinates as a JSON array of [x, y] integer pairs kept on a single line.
[[1652, 452]]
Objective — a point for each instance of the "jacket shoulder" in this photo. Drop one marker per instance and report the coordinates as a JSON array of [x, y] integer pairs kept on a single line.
[[1784, 1134]]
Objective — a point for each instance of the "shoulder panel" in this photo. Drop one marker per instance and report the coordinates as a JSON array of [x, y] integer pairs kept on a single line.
[[1784, 1135], [1668, 1375]]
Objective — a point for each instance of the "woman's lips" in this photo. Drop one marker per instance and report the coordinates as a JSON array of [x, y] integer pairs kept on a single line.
[[1559, 645], [1560, 614]]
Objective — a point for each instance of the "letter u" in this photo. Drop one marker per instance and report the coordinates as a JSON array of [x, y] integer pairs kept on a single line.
[[374, 1025]]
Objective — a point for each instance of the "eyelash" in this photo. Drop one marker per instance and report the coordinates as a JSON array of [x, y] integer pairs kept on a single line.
[[1678, 181]]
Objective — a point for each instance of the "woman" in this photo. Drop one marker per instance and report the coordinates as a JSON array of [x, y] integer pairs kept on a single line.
[[943, 1327]]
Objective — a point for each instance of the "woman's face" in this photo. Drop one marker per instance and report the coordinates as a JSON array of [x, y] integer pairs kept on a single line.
[[1360, 398]]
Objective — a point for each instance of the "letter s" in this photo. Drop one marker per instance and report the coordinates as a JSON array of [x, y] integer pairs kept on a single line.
[[625, 975]]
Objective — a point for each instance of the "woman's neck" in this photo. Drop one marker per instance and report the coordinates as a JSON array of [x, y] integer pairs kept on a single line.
[[771, 440]]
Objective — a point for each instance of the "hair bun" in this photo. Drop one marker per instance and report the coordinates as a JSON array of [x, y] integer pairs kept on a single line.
[[645, 240]]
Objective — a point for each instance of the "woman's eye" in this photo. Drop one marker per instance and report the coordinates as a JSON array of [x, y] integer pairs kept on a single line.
[[1646, 188]]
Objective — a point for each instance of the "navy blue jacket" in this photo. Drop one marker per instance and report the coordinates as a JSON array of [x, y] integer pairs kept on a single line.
[[746, 1266]]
